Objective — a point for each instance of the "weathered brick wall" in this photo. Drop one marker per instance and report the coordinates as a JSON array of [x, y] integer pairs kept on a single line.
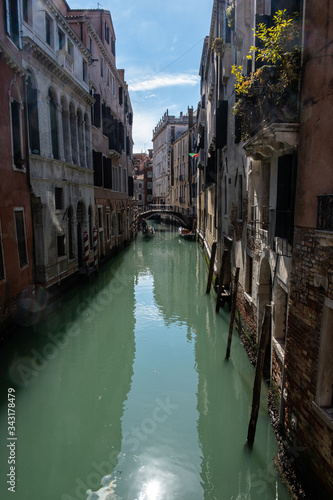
[[246, 322], [312, 436], [277, 374]]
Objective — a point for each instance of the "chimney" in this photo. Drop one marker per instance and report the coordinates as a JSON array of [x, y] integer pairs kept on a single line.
[[190, 117], [122, 74], [172, 133]]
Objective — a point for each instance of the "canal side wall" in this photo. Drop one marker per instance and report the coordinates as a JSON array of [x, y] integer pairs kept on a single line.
[[309, 355]]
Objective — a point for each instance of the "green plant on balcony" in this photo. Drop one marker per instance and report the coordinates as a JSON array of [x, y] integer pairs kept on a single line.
[[271, 92], [218, 46], [230, 15]]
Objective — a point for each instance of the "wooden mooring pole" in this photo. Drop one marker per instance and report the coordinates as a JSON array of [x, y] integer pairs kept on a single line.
[[232, 315], [221, 276], [211, 267], [265, 329]]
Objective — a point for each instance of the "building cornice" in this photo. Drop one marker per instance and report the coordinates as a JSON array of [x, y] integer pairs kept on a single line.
[[11, 60], [66, 26], [48, 62]]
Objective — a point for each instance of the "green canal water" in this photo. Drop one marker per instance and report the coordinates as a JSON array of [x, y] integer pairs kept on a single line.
[[124, 381]]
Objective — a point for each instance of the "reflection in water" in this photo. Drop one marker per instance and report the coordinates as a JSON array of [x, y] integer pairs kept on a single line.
[[123, 393]]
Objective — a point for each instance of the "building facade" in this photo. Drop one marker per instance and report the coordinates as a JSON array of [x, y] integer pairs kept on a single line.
[[143, 179], [112, 118], [60, 152], [308, 401], [264, 198], [168, 129], [16, 241]]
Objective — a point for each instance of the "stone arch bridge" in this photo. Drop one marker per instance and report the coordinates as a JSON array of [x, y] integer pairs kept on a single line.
[[151, 210]]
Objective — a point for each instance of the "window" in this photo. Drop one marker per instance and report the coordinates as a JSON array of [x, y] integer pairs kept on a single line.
[[113, 46], [120, 230], [20, 236], [84, 71], [108, 226], [107, 33], [324, 388], [100, 217], [96, 109], [61, 245], [13, 17], [27, 10], [49, 30], [70, 48], [149, 185], [91, 228], [53, 125], [100, 229], [108, 78], [2, 266], [114, 224], [59, 198], [140, 197], [91, 46], [15, 112], [150, 174], [61, 40], [70, 234], [113, 85], [102, 67], [120, 96]]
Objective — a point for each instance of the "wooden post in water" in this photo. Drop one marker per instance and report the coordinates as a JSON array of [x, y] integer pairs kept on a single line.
[[221, 276], [211, 267], [232, 315], [265, 328]]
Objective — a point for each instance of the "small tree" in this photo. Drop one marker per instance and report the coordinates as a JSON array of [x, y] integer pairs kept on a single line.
[[276, 82]]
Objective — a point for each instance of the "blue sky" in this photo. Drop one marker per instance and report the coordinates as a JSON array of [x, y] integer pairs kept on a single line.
[[159, 44]]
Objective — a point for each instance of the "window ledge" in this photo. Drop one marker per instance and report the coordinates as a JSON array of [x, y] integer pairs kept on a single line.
[[325, 413], [278, 349], [325, 237]]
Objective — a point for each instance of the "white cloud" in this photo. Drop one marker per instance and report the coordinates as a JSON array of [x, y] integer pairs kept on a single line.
[[164, 80]]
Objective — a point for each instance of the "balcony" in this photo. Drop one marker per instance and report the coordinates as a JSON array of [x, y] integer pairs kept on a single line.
[[325, 212]]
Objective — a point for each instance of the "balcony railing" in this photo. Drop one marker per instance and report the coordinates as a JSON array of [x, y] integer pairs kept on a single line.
[[325, 212]]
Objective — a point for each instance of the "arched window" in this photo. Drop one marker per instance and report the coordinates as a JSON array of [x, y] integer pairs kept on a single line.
[[87, 133], [32, 104], [53, 124], [66, 130], [114, 224], [81, 137], [119, 224], [91, 227], [72, 118], [70, 233]]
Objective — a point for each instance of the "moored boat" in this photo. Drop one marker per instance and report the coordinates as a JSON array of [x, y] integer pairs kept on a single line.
[[186, 234]]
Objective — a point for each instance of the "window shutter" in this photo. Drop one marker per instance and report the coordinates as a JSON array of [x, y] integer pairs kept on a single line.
[[97, 110], [130, 186], [98, 168], [7, 17]]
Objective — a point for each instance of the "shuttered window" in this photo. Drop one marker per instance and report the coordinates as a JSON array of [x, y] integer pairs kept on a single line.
[[20, 236]]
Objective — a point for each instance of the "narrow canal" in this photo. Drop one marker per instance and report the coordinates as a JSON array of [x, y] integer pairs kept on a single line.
[[125, 377]]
